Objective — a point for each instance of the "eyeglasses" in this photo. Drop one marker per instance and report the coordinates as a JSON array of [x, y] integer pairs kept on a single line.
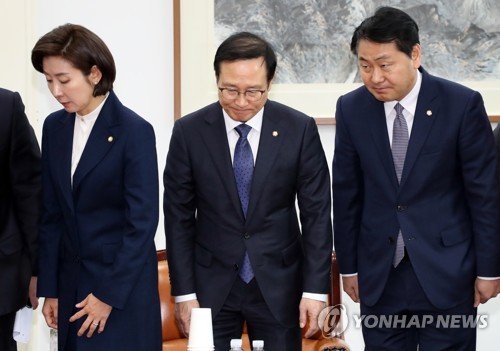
[[251, 95]]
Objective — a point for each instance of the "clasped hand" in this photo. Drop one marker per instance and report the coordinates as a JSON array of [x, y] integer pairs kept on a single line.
[[97, 313]]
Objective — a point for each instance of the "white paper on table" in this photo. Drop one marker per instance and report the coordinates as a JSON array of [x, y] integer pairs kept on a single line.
[[53, 340], [23, 324]]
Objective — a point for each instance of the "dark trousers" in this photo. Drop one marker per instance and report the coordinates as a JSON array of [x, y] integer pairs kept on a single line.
[[7, 343], [418, 321], [245, 303]]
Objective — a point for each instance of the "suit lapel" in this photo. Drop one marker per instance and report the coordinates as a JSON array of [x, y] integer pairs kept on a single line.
[[215, 140], [271, 137], [377, 123], [425, 115], [102, 137]]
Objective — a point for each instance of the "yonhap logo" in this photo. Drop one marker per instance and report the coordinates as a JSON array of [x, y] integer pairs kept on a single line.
[[333, 321]]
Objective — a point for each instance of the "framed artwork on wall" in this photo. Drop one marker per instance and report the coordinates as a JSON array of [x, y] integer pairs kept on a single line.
[[312, 42]]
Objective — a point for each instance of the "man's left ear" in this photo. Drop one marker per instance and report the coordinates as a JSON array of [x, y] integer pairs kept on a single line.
[[95, 75], [416, 55], [270, 84]]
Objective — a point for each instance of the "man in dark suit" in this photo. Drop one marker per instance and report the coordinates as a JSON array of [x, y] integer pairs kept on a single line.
[[416, 209], [239, 249], [20, 170]]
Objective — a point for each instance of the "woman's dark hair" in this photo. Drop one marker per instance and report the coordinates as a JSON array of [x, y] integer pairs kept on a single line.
[[83, 48], [388, 25], [245, 46]]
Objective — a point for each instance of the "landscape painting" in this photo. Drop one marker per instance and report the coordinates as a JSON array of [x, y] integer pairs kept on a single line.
[[460, 39]]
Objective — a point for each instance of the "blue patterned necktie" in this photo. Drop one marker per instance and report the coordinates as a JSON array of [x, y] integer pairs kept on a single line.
[[243, 172], [399, 147]]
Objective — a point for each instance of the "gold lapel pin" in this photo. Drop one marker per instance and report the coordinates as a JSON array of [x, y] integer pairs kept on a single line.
[[429, 113], [275, 133], [110, 139]]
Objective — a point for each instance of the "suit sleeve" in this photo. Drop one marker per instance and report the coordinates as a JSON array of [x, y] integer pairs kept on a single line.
[[51, 228], [347, 196], [179, 209], [479, 158], [314, 200], [25, 174]]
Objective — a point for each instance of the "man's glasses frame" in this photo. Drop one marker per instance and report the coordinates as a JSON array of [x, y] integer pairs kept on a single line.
[[252, 95]]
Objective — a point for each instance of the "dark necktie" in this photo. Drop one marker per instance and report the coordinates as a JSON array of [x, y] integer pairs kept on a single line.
[[399, 147], [243, 172]]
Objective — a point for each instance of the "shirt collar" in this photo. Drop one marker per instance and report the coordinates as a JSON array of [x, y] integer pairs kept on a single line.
[[255, 122], [409, 102], [92, 116]]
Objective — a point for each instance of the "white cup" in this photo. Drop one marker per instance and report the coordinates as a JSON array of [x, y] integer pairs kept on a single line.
[[201, 335]]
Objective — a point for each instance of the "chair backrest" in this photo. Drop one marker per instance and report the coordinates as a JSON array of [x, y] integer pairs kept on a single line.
[[335, 297], [170, 331]]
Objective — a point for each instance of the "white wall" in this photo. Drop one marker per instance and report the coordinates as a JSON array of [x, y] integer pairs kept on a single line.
[[139, 34], [140, 38], [16, 26]]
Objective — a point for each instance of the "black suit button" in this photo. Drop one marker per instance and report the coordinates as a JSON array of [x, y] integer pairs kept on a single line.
[[246, 236], [402, 208], [391, 240], [236, 267], [77, 259]]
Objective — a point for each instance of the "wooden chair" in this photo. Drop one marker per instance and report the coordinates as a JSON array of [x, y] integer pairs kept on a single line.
[[173, 340]]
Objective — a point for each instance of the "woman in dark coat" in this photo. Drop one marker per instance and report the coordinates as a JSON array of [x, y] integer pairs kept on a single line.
[[97, 266]]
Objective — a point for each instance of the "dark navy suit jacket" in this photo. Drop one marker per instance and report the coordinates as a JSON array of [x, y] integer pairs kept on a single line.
[[20, 184], [97, 235], [207, 234], [446, 205]]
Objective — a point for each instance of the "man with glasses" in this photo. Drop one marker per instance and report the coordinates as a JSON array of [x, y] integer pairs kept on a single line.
[[234, 171]]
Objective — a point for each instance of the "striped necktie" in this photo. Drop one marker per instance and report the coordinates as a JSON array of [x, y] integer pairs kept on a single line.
[[399, 147]]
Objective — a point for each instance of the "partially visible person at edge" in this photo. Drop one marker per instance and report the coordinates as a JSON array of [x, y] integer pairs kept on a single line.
[[496, 134], [20, 184], [234, 241], [416, 226], [98, 269]]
